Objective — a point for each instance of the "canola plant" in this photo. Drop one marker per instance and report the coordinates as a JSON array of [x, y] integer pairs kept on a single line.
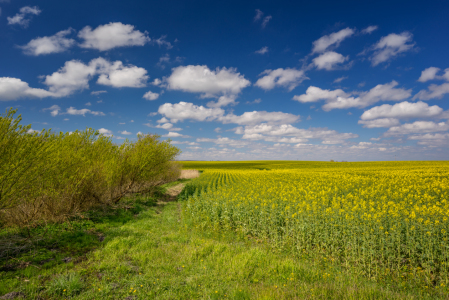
[[377, 218]]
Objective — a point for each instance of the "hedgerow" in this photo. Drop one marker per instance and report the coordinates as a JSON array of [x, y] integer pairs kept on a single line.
[[49, 177]]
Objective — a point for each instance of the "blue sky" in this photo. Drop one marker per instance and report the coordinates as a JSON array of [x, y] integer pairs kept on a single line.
[[309, 80]]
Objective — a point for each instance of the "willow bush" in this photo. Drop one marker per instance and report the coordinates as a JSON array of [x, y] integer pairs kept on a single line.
[[47, 176]]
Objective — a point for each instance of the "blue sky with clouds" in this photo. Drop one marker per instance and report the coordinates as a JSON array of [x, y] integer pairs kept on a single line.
[[307, 80]]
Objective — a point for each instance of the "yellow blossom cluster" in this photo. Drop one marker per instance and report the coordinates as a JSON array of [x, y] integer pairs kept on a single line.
[[372, 216]]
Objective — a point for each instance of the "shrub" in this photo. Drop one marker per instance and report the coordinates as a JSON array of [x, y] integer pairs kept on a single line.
[[47, 177]]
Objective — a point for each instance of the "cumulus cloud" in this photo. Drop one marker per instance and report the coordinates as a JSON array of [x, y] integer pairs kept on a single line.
[[433, 92], [75, 75], [314, 94], [200, 79], [183, 110], [14, 89], [262, 50], [82, 112], [403, 110], [329, 60], [175, 134], [429, 74], [105, 132], [256, 117], [288, 78], [339, 99], [223, 101], [222, 141], [118, 75], [287, 133], [379, 123], [54, 110], [150, 95], [188, 111], [417, 127], [124, 132], [432, 140], [324, 42], [112, 35], [23, 18], [391, 46], [49, 44], [369, 29]]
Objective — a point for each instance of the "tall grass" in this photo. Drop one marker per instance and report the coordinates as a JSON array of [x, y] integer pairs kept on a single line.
[[48, 176]]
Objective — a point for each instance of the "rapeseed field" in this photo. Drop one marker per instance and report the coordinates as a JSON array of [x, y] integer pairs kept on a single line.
[[379, 219]]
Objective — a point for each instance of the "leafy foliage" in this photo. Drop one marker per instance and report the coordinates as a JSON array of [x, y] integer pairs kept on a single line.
[[49, 177]]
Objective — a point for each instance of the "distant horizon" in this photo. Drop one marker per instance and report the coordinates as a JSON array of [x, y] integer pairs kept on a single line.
[[233, 81]]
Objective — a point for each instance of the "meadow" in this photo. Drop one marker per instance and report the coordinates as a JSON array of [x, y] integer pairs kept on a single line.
[[386, 221]]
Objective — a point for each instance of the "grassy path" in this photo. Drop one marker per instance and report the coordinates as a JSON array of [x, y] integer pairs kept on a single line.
[[155, 255]]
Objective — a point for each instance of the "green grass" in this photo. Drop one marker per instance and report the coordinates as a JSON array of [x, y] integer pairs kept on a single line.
[[149, 252]]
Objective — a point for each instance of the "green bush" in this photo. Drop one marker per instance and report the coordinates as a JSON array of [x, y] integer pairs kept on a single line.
[[48, 177]]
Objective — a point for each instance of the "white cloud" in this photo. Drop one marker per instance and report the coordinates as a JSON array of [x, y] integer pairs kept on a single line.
[[390, 46], [54, 110], [265, 21], [380, 123], [105, 132], [14, 88], [75, 75], [118, 75], [369, 29], [20, 18], [162, 42], [217, 130], [262, 50], [288, 78], [124, 132], [314, 94], [329, 60], [429, 74], [200, 79], [256, 101], [88, 104], [49, 44], [279, 134], [340, 79], [96, 93], [82, 112], [156, 82], [174, 134], [335, 38], [112, 35], [184, 110], [339, 99], [150, 95], [403, 110], [434, 92], [168, 126], [258, 15], [256, 117], [163, 120], [188, 111], [223, 101], [417, 127], [224, 141]]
